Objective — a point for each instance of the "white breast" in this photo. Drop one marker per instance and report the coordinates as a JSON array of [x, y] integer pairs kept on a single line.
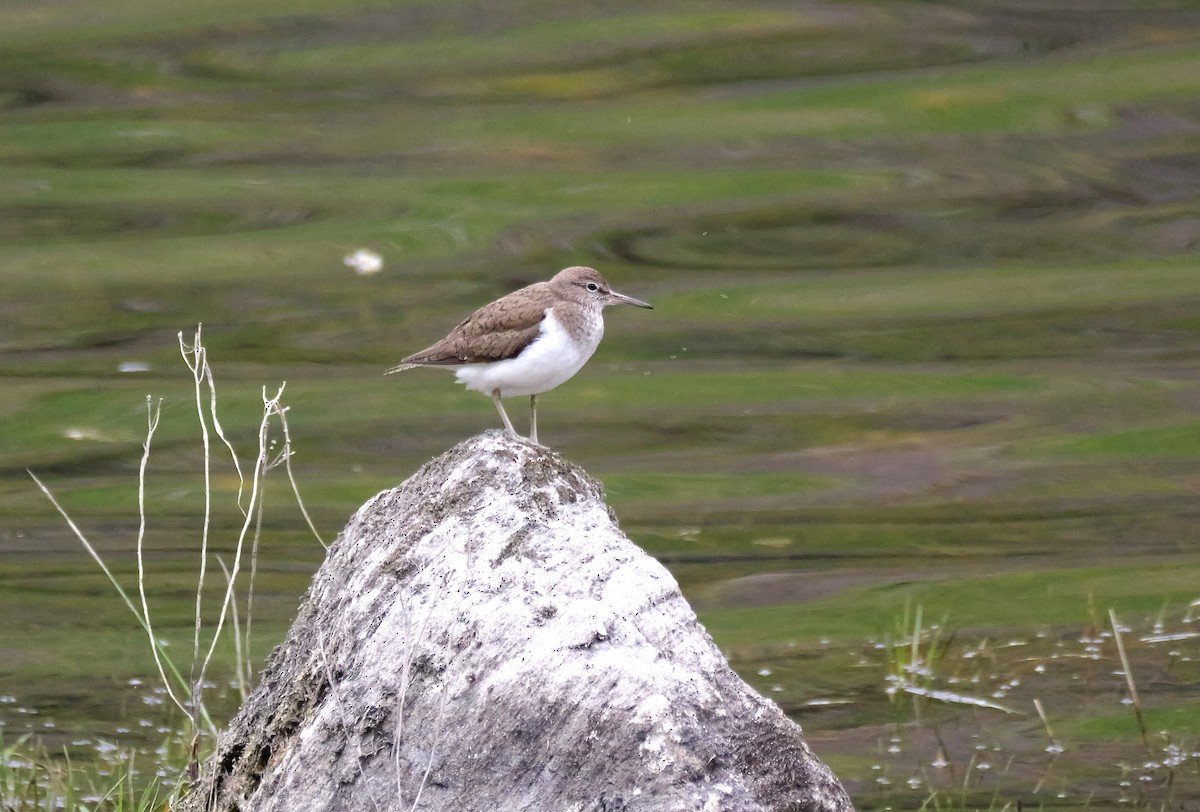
[[552, 358]]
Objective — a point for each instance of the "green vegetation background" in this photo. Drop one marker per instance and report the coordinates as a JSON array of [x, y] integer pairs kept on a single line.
[[926, 281]]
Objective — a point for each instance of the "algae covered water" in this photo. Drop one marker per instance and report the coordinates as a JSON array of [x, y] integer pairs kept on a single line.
[[916, 407]]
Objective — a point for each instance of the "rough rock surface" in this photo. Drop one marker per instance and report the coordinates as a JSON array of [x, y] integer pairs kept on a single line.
[[484, 637]]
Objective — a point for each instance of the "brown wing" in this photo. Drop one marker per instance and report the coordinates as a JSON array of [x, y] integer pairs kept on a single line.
[[494, 332]]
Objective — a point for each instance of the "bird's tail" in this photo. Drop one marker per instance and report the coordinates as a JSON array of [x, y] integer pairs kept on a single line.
[[401, 368]]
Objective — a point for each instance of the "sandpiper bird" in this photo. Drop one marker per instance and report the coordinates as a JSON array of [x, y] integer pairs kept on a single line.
[[527, 342]]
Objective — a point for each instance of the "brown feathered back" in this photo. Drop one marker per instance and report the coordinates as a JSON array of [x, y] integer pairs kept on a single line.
[[494, 332]]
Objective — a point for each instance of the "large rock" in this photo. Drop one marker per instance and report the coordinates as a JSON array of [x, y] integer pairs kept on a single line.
[[484, 637]]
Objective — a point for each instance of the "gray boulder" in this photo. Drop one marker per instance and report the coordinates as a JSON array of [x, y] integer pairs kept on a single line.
[[484, 637]]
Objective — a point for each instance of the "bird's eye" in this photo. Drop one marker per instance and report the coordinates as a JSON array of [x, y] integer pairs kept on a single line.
[[593, 287]]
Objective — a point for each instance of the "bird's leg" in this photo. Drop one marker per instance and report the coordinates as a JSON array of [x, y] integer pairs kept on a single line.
[[533, 419], [504, 415]]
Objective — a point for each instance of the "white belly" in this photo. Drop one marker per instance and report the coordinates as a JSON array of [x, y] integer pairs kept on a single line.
[[549, 361]]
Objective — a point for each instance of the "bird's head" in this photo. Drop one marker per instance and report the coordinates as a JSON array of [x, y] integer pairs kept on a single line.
[[587, 285]]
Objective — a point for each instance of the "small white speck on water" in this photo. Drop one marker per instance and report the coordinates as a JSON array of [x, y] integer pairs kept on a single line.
[[133, 366], [363, 262]]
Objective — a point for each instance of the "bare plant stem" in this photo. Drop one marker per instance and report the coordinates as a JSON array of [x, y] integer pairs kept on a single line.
[[287, 461], [405, 683], [1128, 670], [439, 728], [247, 666], [238, 671], [914, 657], [270, 407], [1055, 748], [195, 356], [87, 545], [152, 415], [197, 363], [1037, 703], [335, 693]]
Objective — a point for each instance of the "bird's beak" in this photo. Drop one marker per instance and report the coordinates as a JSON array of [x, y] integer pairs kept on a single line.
[[621, 298]]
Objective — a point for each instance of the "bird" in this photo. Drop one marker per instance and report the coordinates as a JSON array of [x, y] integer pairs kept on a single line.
[[527, 342]]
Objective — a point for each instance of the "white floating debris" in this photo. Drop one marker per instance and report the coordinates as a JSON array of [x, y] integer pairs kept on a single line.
[[1170, 638], [959, 699], [103, 747], [364, 262], [133, 366], [824, 703]]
